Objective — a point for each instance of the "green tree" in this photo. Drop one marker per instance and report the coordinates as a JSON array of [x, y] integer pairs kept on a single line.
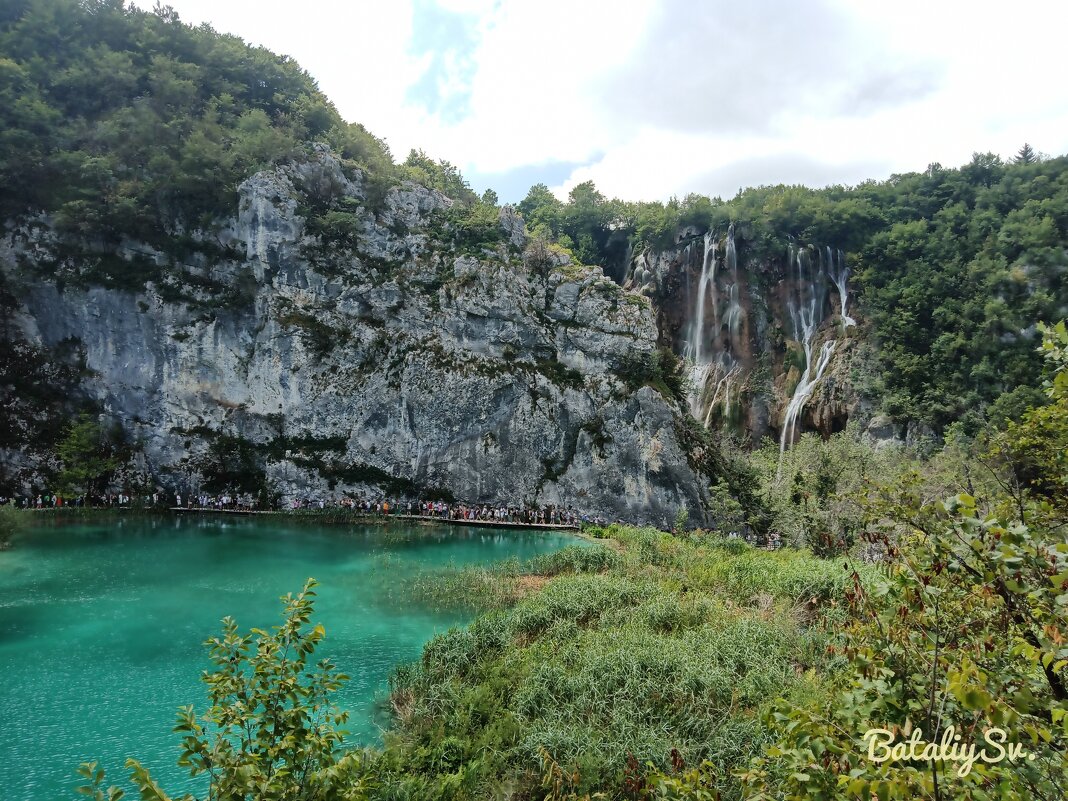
[[87, 456], [1037, 447], [541, 208], [139, 125], [1026, 155], [272, 730]]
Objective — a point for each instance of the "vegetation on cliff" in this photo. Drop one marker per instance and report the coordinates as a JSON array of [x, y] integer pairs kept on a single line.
[[126, 125]]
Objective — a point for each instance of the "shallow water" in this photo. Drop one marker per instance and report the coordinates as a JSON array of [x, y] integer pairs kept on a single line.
[[102, 625]]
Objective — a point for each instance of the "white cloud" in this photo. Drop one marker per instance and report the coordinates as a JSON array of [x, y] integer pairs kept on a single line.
[[530, 94], [662, 98], [468, 6]]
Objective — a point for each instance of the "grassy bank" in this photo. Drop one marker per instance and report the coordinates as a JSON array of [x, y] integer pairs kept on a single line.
[[595, 663]]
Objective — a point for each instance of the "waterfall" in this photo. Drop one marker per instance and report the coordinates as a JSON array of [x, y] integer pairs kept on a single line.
[[730, 260], [734, 312], [726, 371], [695, 345], [714, 372], [806, 313], [801, 395], [839, 273], [713, 337], [689, 290], [708, 275]]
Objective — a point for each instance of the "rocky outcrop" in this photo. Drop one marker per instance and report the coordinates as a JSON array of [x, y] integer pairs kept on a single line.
[[753, 326], [322, 346]]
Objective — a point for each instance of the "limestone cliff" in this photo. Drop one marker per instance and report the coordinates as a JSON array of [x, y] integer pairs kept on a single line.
[[376, 357], [770, 339]]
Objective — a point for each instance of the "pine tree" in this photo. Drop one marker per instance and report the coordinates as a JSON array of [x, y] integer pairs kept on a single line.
[[1026, 155]]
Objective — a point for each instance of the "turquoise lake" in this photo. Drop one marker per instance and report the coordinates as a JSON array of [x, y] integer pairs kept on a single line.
[[102, 626]]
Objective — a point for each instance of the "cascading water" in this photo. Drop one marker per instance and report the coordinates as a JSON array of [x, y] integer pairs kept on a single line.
[[734, 307], [722, 348], [726, 372], [695, 350], [714, 371], [839, 273], [801, 395], [806, 313], [730, 258], [708, 276], [734, 312]]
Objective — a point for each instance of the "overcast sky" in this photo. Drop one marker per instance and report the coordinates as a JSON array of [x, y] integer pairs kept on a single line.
[[653, 99]]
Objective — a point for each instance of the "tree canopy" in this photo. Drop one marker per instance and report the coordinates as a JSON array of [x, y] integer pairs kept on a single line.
[[125, 122]]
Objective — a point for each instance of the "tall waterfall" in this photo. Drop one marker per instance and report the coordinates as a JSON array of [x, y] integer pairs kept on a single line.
[[734, 306], [716, 339], [806, 313], [718, 391], [714, 371], [725, 312], [839, 273], [696, 339], [730, 260], [695, 346]]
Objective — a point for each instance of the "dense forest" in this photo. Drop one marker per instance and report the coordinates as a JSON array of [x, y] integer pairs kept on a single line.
[[127, 123], [916, 588]]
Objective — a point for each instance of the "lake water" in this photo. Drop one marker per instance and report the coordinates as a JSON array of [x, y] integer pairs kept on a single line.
[[102, 625]]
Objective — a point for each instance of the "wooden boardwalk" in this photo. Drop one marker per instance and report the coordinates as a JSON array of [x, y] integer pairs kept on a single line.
[[335, 515], [487, 523]]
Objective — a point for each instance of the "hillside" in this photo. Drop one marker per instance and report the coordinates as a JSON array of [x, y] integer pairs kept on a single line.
[[946, 272]]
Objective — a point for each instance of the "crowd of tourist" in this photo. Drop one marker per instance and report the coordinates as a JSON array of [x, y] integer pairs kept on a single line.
[[524, 515], [55, 501], [245, 502], [224, 501]]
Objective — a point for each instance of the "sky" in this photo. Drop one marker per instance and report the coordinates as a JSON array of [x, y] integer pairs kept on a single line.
[[657, 99]]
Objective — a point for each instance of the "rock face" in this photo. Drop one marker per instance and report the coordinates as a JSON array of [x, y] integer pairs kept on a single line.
[[770, 340], [374, 357]]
